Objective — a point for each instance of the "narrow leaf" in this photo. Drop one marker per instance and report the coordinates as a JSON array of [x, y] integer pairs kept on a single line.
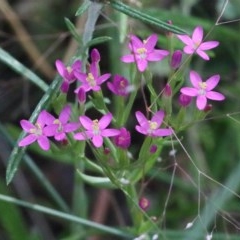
[[18, 152], [133, 12], [73, 30], [83, 8], [97, 40], [102, 182]]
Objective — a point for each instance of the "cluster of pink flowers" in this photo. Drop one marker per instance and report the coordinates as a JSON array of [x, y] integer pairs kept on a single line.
[[142, 52]]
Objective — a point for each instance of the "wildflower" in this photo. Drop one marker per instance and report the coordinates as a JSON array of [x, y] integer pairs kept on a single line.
[[92, 80], [151, 127], [196, 44], [123, 140], [144, 203], [60, 126], [119, 86], [36, 131], [95, 56], [68, 73], [96, 129], [176, 59], [144, 52], [184, 100], [202, 90]]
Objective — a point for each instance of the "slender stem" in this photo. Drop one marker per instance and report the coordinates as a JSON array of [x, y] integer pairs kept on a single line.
[[65, 216]]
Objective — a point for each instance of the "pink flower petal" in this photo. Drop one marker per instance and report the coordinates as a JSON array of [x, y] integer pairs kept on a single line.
[[45, 118], [197, 35], [189, 49], [27, 140], [94, 70], [158, 117], [81, 136], [60, 67], [212, 82], [65, 114], [50, 130], [70, 127], [110, 132], [202, 54], [26, 125], [195, 79], [60, 136], [128, 58], [44, 143], [77, 65], [142, 64], [141, 130], [142, 120], [135, 42], [162, 132], [157, 55], [86, 122], [151, 42], [201, 102], [103, 78], [81, 76], [105, 121], [192, 92], [185, 39], [208, 45], [97, 141], [215, 96]]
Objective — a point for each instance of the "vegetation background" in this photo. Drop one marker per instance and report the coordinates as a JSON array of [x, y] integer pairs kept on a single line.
[[35, 33]]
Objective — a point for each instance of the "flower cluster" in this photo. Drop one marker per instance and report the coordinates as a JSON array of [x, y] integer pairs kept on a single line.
[[91, 80]]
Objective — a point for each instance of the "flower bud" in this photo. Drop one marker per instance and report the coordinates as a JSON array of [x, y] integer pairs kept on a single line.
[[176, 59], [184, 100], [167, 90], [81, 96], [95, 56], [144, 203], [64, 87], [208, 108], [153, 148], [123, 140]]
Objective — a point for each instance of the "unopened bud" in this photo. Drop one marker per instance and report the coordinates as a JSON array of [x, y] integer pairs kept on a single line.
[[176, 59], [95, 56], [167, 90], [81, 96], [144, 203], [184, 100], [153, 148], [208, 108]]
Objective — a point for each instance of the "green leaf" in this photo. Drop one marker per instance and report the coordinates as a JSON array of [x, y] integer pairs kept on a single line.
[[97, 41], [22, 70], [102, 182], [73, 30], [17, 153], [83, 8], [133, 12]]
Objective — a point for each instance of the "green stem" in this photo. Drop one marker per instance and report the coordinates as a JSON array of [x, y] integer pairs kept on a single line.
[[65, 216]]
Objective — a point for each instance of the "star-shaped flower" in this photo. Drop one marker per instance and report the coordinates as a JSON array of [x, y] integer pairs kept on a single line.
[[203, 90], [152, 127], [196, 44], [36, 131], [144, 52], [96, 129], [68, 73], [60, 126]]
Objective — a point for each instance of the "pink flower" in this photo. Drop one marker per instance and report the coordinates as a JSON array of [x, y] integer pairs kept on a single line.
[[123, 140], [196, 44], [36, 131], [151, 127], [68, 73], [203, 90], [144, 52], [176, 59], [119, 86], [59, 127], [92, 80], [96, 129]]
